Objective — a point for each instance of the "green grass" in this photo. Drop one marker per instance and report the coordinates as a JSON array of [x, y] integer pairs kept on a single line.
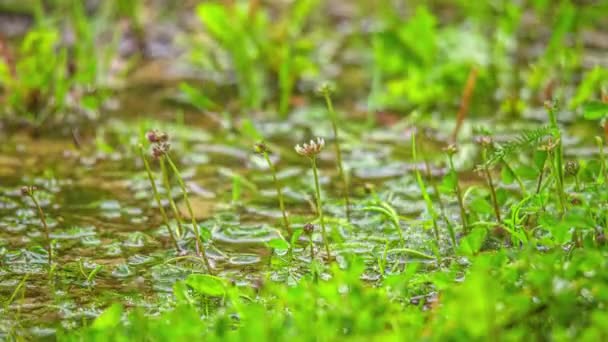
[[503, 240]]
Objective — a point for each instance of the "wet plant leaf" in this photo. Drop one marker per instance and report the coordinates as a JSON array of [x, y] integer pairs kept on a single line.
[[278, 244], [471, 244], [595, 110], [207, 285], [109, 318]]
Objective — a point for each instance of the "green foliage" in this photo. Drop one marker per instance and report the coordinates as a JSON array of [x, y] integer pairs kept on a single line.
[[248, 37], [50, 80], [493, 301], [528, 139], [595, 110]]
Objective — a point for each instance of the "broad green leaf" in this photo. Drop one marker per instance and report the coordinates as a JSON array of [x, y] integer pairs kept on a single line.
[[278, 244], [206, 284], [109, 318], [595, 110], [507, 175], [449, 182], [180, 291], [540, 157], [216, 19], [471, 244], [481, 206], [249, 130], [296, 235]]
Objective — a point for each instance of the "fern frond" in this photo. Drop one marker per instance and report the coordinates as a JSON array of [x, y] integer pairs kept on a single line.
[[526, 139]]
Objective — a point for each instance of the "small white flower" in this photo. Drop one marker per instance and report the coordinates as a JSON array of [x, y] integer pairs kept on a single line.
[[311, 149]]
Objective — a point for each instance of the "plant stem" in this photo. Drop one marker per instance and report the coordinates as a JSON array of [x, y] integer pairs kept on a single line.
[[279, 193], [520, 183], [200, 250], [157, 197], [557, 162], [491, 185], [167, 184], [334, 125], [463, 213], [427, 198], [47, 232], [313, 161], [312, 249], [600, 144], [441, 207]]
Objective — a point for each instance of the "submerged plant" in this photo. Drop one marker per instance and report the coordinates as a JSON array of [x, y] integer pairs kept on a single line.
[[29, 191], [326, 90], [262, 149], [311, 150]]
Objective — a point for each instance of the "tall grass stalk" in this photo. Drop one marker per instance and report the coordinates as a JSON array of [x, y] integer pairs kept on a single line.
[[326, 91], [457, 190], [427, 199], [200, 249], [311, 150], [603, 176], [261, 148], [163, 213], [167, 185], [320, 206], [29, 191], [490, 182], [557, 156]]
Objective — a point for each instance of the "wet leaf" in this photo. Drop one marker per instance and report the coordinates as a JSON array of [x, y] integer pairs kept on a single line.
[[471, 244], [278, 244], [595, 110], [449, 182], [207, 285], [109, 318], [507, 175], [481, 206]]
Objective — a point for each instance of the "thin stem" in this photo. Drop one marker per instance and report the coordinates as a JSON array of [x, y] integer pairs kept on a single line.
[[559, 185], [312, 249], [540, 179], [334, 125], [441, 207], [200, 250], [47, 232], [279, 193], [157, 197], [520, 183], [167, 184], [463, 213], [427, 199], [491, 186], [313, 161], [600, 144]]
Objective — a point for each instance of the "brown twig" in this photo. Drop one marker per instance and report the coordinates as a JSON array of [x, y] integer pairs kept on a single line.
[[465, 102]]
